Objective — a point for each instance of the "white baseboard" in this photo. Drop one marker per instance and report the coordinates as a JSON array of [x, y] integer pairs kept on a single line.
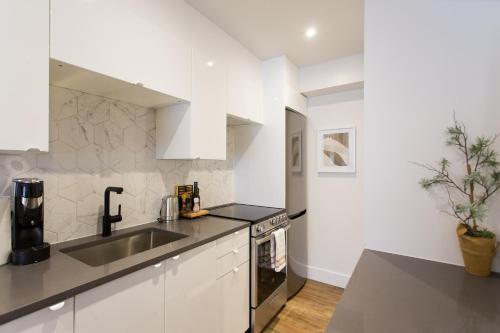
[[327, 276]]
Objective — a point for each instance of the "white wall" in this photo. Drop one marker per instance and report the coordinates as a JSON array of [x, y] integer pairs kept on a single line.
[[335, 226], [423, 59], [332, 76]]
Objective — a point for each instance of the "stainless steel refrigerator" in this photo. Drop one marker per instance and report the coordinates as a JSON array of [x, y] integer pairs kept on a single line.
[[296, 199]]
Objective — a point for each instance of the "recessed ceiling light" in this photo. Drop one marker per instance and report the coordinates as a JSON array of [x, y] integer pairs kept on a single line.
[[210, 63], [311, 32]]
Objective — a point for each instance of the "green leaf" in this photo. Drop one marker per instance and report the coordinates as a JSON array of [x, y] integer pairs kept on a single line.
[[444, 164], [478, 211], [426, 183], [474, 177], [454, 130], [482, 233], [496, 176], [491, 161]]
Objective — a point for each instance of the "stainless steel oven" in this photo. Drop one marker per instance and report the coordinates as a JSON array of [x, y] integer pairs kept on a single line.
[[268, 287]]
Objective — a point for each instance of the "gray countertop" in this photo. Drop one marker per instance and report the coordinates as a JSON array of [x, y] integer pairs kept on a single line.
[[392, 293], [25, 289]]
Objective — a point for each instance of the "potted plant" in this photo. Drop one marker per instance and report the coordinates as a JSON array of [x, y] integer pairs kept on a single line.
[[469, 194]]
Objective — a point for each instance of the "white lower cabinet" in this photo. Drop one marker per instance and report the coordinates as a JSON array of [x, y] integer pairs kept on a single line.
[[133, 303], [233, 282], [233, 301], [54, 319], [190, 291]]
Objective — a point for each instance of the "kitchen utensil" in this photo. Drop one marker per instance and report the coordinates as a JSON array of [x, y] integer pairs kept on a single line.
[[169, 210]]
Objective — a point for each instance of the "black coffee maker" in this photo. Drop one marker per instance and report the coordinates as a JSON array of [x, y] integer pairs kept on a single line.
[[26, 209]]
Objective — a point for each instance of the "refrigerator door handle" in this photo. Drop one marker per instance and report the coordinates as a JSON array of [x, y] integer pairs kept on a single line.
[[299, 214]]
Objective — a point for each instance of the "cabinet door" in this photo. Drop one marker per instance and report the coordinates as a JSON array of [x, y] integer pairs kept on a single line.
[[244, 94], [253, 101], [24, 98], [208, 107], [116, 38], [233, 303], [133, 303], [54, 319], [190, 292], [295, 100], [236, 95]]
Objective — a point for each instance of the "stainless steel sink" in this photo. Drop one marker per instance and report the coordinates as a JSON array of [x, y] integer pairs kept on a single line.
[[108, 250]]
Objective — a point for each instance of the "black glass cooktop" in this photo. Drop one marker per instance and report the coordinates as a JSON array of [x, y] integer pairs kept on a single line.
[[247, 213]]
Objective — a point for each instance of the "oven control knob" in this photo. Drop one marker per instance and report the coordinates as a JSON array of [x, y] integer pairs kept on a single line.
[[260, 228], [273, 221]]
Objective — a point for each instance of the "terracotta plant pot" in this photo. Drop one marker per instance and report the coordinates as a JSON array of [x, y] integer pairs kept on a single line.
[[478, 252]]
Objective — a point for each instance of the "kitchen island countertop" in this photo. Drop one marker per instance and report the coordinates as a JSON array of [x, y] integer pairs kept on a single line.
[[390, 293]]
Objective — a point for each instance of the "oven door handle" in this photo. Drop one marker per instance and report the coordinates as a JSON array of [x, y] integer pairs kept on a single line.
[[263, 240], [259, 241]]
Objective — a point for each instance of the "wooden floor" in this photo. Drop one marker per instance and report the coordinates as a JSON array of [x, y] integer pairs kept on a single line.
[[309, 311]]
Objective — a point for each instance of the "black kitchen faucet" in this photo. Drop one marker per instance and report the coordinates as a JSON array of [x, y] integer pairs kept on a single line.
[[108, 219]]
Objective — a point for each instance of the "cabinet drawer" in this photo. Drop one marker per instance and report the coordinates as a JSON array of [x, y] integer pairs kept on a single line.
[[232, 260], [233, 241]]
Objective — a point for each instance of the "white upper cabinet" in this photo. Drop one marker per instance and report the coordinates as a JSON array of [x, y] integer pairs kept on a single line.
[[244, 90], [24, 65], [133, 303], [57, 318], [115, 38], [293, 98], [209, 105], [197, 130]]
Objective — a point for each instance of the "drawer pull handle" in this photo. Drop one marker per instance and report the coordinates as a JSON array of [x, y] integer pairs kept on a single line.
[[235, 251], [236, 269], [176, 257], [157, 265], [57, 306]]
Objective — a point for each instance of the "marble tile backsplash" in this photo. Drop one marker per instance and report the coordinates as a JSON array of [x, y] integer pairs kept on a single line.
[[97, 142]]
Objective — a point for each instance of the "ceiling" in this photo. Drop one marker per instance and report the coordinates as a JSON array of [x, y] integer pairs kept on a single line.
[[270, 28]]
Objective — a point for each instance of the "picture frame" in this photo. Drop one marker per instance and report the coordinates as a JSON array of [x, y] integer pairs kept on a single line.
[[296, 152], [336, 150]]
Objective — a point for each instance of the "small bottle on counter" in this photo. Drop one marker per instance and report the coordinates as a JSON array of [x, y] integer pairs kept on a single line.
[[196, 198]]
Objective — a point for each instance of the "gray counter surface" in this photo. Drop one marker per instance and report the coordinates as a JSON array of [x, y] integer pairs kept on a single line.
[[25, 289], [391, 293]]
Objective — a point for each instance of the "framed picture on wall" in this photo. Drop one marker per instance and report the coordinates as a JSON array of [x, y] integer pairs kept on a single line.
[[296, 153], [336, 150]]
